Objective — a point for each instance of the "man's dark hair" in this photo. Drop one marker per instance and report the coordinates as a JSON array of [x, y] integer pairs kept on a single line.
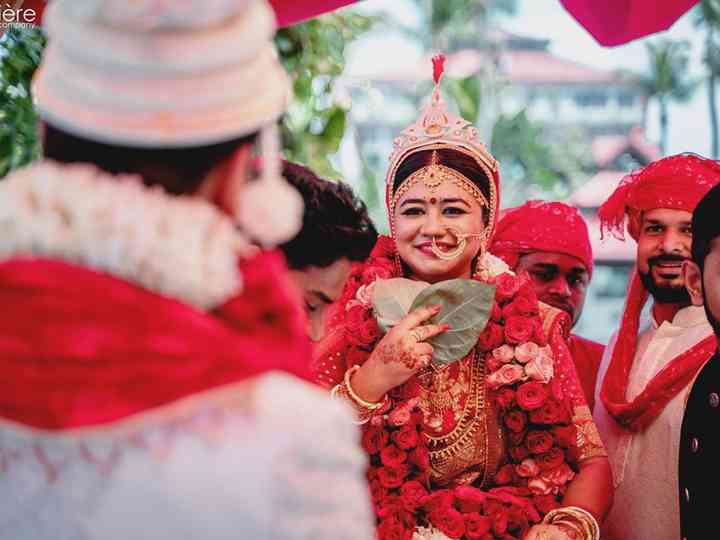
[[705, 225], [335, 223], [178, 170]]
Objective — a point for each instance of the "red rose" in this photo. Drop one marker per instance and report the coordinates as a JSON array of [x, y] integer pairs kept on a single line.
[[506, 285], [505, 475], [389, 505], [392, 529], [370, 332], [449, 521], [491, 337], [377, 491], [566, 436], [545, 503], [552, 412], [519, 453], [412, 495], [406, 437], [441, 498], [476, 526], [531, 395], [517, 520], [517, 438], [496, 314], [469, 499], [374, 438], [392, 456], [521, 306], [518, 329], [539, 442], [392, 477], [504, 398], [384, 248], [420, 457], [551, 459], [515, 421], [500, 522]]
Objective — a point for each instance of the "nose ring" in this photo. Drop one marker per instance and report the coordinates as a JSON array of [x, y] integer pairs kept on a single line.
[[461, 243]]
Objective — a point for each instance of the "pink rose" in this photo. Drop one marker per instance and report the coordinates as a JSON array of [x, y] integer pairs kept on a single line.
[[364, 294], [507, 374], [538, 486], [558, 476], [526, 352], [504, 354], [402, 413], [492, 363], [541, 368], [528, 468]]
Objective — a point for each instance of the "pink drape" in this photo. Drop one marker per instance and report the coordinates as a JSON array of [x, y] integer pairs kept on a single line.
[[614, 22]]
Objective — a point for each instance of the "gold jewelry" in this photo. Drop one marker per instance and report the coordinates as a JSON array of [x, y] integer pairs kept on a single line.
[[357, 399], [579, 519], [461, 243]]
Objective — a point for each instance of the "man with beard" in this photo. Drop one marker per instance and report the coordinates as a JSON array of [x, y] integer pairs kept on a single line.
[[699, 444], [646, 370], [550, 241]]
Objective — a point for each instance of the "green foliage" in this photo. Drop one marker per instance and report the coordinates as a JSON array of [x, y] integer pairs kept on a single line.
[[20, 52], [530, 167], [667, 77], [313, 53]]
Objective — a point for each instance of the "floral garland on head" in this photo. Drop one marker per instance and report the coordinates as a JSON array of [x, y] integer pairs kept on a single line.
[[533, 411]]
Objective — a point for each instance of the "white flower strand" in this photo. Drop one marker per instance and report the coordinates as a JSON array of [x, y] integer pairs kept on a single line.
[[181, 247]]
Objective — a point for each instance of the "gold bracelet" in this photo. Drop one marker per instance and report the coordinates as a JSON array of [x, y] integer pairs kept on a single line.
[[357, 399], [586, 524]]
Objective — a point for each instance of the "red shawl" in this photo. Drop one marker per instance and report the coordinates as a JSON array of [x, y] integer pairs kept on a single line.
[[82, 348]]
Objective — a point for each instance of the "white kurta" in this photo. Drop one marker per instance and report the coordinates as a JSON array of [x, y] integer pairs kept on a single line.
[[278, 459], [645, 465]]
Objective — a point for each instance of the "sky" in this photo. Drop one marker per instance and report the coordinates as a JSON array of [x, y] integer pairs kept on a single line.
[[689, 124]]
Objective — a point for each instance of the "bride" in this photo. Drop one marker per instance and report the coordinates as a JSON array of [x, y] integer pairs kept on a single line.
[[497, 445]]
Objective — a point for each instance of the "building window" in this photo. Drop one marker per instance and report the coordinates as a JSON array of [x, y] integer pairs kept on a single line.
[[591, 98]]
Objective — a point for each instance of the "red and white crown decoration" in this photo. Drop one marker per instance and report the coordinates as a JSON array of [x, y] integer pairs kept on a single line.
[[438, 128]]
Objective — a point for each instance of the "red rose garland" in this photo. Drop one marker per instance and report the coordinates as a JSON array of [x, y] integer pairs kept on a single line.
[[532, 408]]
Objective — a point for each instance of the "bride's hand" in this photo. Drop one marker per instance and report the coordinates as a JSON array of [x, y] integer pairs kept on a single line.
[[398, 355]]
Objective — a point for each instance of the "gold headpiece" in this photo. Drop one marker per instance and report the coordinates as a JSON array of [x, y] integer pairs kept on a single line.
[[437, 129]]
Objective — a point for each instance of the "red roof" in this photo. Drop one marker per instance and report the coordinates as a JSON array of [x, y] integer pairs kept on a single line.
[[543, 67], [519, 66]]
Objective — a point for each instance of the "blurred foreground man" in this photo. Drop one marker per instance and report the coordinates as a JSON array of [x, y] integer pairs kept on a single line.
[[336, 231], [646, 372], [699, 443], [550, 241], [151, 360]]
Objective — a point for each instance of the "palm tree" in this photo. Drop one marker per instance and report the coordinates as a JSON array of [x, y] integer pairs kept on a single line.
[[667, 79], [708, 17]]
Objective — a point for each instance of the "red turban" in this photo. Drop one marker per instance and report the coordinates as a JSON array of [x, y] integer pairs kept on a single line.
[[552, 227], [675, 182]]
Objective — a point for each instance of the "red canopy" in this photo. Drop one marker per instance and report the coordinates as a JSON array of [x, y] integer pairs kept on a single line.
[[287, 11], [611, 22], [614, 22]]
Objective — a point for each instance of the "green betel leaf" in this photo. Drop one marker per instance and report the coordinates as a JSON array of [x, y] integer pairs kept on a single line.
[[392, 299], [466, 306]]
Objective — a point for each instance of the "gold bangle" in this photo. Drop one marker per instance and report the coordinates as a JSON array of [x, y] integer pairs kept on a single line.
[[585, 522], [357, 399]]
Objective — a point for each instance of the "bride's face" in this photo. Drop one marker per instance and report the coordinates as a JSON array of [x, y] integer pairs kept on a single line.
[[422, 215]]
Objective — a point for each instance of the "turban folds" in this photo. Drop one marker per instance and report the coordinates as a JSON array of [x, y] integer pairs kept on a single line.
[[675, 182], [552, 227]]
